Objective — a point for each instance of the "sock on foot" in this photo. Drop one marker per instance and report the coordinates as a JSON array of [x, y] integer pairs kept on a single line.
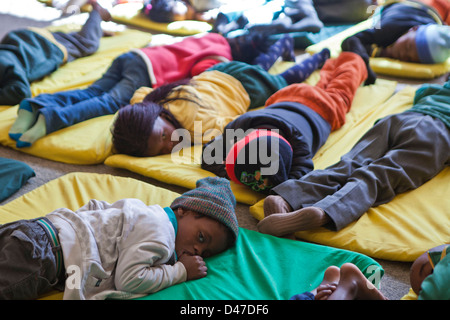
[[300, 72], [353, 44], [284, 48], [288, 48], [36, 132], [280, 224], [26, 118]]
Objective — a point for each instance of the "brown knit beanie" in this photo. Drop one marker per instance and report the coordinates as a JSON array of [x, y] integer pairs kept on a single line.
[[213, 198]]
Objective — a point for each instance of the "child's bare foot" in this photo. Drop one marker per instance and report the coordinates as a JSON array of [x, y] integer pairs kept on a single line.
[[104, 13], [328, 284], [280, 224], [353, 285], [275, 204]]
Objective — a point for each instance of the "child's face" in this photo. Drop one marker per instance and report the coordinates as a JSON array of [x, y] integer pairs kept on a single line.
[[420, 269], [199, 235], [160, 140], [404, 48]]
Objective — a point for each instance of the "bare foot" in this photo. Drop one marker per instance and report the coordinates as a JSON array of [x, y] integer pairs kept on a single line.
[[280, 224], [106, 16], [328, 284], [353, 285], [275, 204]]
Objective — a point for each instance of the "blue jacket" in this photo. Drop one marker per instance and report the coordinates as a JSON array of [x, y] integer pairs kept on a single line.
[[25, 56]]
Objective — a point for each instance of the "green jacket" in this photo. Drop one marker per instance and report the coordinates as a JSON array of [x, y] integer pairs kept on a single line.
[[433, 100]]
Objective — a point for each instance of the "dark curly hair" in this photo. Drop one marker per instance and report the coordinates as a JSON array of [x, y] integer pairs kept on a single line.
[[134, 123]]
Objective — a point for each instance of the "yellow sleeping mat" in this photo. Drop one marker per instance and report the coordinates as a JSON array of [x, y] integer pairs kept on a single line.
[[258, 267], [379, 65], [87, 142], [130, 14], [400, 230], [185, 169]]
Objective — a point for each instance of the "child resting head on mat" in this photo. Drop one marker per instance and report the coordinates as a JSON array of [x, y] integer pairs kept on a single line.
[[410, 31], [201, 107], [121, 250], [429, 277], [265, 147], [399, 153], [423, 44]]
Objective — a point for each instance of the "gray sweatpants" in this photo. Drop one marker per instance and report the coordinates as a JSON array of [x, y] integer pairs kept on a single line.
[[84, 42], [399, 153]]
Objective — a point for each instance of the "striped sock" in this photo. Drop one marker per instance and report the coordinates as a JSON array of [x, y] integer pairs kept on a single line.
[[300, 72], [284, 48]]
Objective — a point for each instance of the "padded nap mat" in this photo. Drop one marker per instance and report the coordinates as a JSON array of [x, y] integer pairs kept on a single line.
[[258, 267], [130, 13]]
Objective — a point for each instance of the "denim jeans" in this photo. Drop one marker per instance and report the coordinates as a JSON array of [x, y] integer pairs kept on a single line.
[[113, 90], [28, 266]]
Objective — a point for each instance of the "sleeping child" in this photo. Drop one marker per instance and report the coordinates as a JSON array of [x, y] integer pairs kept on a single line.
[[151, 66], [29, 54], [278, 142], [122, 250], [194, 112], [411, 31], [399, 153]]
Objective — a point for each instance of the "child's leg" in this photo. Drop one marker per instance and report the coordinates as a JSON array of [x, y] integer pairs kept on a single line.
[[333, 95], [29, 108], [53, 119], [300, 72], [105, 96], [26, 256], [284, 48], [353, 285], [86, 41]]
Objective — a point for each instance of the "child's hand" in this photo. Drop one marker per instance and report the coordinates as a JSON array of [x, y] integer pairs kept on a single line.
[[195, 266], [325, 290]]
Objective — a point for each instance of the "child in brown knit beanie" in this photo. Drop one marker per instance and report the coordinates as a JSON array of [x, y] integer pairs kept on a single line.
[[128, 248]]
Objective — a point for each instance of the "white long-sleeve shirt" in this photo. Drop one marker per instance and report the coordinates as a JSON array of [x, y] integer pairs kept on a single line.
[[117, 250]]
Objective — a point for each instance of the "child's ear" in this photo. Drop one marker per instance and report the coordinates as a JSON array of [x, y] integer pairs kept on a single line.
[[180, 212]]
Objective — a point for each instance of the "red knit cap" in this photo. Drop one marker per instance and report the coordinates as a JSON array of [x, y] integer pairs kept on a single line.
[[248, 158]]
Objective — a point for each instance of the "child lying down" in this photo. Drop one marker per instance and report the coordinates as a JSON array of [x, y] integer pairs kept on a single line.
[[122, 250]]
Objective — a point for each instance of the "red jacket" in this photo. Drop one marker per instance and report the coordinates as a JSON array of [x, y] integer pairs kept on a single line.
[[184, 59]]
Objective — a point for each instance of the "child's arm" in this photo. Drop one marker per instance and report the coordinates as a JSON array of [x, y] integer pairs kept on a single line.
[[140, 269]]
